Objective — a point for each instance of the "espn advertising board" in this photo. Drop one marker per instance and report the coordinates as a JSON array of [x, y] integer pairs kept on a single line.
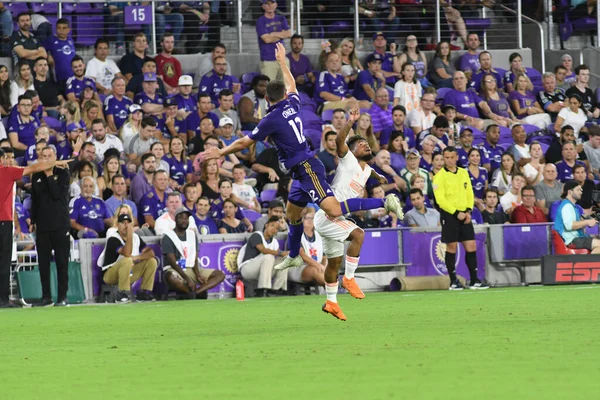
[[570, 269]]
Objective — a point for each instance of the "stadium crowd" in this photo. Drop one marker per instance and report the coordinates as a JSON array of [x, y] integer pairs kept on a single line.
[[136, 129]]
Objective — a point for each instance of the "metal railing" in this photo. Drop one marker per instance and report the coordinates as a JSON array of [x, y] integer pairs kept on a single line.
[[358, 19]]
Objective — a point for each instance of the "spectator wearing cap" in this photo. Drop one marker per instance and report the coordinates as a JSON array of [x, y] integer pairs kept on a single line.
[[381, 112], [252, 107], [25, 46], [275, 209], [271, 29], [71, 145], [48, 90], [184, 99], [119, 197], [61, 50], [225, 109], [569, 222], [78, 82], [116, 105], [21, 130], [89, 215], [257, 259], [486, 68], [370, 80], [134, 123], [380, 46], [205, 223], [154, 203], [102, 140], [467, 102], [136, 84], [149, 99], [226, 131], [413, 159], [169, 66], [101, 68], [125, 259], [193, 120], [217, 80], [180, 254], [173, 125], [300, 65], [140, 144], [566, 61], [131, 63]]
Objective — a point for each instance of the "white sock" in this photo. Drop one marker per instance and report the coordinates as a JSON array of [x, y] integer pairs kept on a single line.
[[331, 290], [351, 265]]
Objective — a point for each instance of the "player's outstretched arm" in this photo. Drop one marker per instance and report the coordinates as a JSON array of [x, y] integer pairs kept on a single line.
[[340, 140], [288, 78], [239, 145]]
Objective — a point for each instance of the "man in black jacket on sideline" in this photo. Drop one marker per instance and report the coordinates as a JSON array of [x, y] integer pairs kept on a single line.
[[50, 216]]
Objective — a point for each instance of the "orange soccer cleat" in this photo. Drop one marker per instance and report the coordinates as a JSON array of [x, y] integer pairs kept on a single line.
[[334, 309], [352, 287]]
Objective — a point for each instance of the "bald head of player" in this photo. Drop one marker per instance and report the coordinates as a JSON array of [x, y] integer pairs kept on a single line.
[[275, 92], [359, 146]]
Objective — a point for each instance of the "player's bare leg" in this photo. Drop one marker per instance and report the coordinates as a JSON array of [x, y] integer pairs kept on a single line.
[[352, 257], [331, 288]]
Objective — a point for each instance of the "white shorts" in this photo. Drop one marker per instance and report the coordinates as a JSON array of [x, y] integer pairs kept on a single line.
[[334, 232], [295, 274]]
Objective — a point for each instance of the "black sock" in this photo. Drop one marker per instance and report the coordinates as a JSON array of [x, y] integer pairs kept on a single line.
[[450, 259], [471, 261]]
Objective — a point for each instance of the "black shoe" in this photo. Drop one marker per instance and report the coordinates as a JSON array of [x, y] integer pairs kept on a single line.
[[186, 296], [277, 293], [260, 293], [456, 285], [478, 285], [62, 303], [122, 297], [9, 304], [145, 295], [45, 302], [202, 295]]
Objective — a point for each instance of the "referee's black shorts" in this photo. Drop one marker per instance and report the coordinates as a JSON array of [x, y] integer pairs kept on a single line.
[[454, 230]]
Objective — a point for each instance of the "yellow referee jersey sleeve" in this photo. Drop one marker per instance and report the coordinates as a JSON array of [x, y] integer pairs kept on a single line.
[[453, 191]]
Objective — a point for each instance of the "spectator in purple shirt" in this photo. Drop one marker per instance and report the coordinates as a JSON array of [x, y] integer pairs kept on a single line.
[[387, 59], [516, 67], [469, 62], [466, 103], [381, 112], [370, 80], [398, 125], [21, 132], [271, 29], [150, 100], [217, 80], [525, 105], [78, 82], [485, 60], [61, 50], [332, 88], [116, 105], [142, 182], [300, 66], [565, 166]]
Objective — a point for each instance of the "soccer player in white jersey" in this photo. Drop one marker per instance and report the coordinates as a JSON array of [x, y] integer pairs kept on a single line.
[[349, 182]]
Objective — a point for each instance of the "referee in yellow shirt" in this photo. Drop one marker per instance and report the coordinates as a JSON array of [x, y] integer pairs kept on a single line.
[[454, 196]]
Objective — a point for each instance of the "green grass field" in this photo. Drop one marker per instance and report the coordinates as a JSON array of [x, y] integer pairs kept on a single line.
[[522, 343]]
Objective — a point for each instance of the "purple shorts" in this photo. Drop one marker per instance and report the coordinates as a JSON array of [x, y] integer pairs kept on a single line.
[[310, 183]]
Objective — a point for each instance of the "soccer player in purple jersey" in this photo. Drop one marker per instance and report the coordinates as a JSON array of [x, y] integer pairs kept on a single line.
[[284, 125]]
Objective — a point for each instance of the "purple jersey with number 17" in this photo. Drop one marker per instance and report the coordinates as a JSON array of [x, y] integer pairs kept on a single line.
[[283, 124]]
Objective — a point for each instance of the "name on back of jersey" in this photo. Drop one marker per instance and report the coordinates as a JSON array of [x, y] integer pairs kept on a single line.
[[288, 112]]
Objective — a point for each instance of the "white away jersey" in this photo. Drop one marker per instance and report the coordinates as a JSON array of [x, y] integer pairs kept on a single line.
[[350, 179]]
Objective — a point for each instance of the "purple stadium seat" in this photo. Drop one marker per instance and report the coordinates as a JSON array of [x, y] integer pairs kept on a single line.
[[266, 196], [505, 132], [27, 202], [339, 27], [247, 80], [314, 138], [53, 123], [310, 120], [16, 8], [476, 216], [568, 27], [44, 8], [327, 116], [441, 93], [477, 24], [252, 215], [88, 28]]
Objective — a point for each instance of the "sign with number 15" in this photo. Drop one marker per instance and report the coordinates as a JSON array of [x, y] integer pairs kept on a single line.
[[138, 15]]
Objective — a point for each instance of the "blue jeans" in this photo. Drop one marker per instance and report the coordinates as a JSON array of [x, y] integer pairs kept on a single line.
[[173, 19], [6, 26]]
